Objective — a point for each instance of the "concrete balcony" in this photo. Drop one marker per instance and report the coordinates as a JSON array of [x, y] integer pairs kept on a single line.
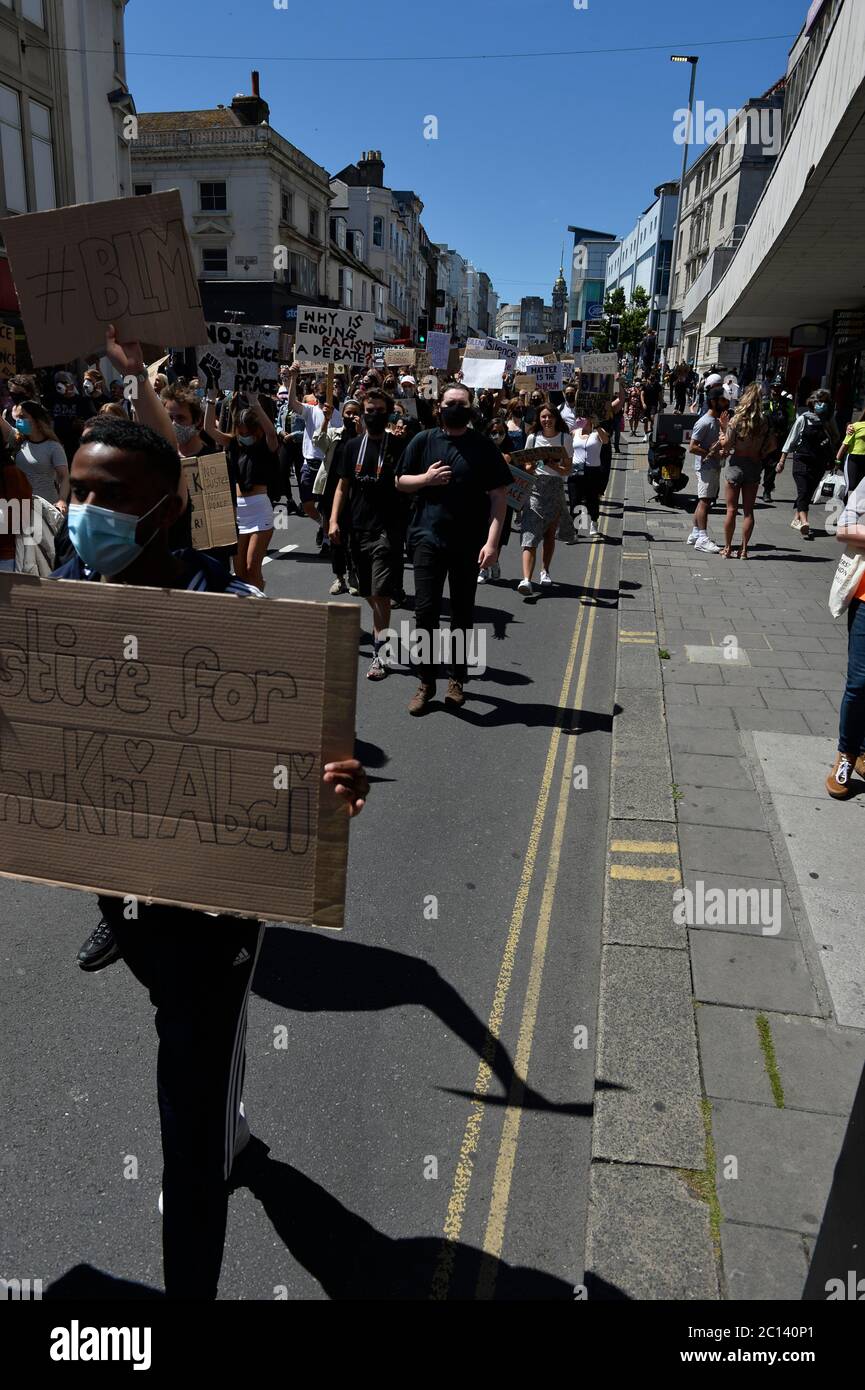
[[697, 298], [801, 258]]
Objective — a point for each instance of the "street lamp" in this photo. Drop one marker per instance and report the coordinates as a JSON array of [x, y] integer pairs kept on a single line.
[[668, 335]]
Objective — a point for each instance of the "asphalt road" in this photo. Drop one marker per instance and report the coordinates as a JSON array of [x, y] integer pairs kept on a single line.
[[393, 1118]]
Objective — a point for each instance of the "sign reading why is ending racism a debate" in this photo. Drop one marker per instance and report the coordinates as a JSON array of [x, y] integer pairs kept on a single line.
[[126, 262], [168, 746], [334, 335]]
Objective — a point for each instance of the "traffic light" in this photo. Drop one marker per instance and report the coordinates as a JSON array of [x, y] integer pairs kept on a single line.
[[615, 328], [422, 329]]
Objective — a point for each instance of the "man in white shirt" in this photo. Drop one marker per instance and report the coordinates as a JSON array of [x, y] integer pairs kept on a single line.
[[313, 421], [568, 410], [732, 387]]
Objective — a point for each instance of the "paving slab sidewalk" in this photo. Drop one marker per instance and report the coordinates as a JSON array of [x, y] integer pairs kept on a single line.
[[733, 973]]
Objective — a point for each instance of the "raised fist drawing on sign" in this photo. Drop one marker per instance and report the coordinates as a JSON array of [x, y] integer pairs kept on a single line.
[[211, 367]]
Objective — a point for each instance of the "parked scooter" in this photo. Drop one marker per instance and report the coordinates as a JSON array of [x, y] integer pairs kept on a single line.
[[667, 455]]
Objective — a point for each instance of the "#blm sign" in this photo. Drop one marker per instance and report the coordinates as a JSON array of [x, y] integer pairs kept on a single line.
[[334, 335], [167, 746], [248, 356], [210, 501], [7, 351], [127, 262]]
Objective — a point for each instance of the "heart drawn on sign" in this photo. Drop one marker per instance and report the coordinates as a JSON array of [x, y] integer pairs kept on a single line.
[[303, 763], [139, 752]]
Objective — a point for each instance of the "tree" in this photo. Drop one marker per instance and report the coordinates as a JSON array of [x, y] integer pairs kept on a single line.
[[632, 321]]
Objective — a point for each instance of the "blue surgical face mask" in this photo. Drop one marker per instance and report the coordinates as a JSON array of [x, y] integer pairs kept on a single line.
[[246, 440], [104, 539], [22, 426]]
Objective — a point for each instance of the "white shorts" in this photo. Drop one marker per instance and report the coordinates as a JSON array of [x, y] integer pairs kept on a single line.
[[709, 481], [254, 513]]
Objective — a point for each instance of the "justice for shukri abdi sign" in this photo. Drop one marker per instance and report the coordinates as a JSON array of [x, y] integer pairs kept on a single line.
[[334, 335]]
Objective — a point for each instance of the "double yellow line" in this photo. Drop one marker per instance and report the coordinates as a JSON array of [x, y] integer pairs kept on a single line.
[[495, 1227]]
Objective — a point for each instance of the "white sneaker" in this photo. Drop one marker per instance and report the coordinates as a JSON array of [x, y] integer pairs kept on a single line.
[[593, 530], [483, 576], [706, 546], [525, 586], [545, 578], [496, 572], [693, 537], [796, 524]]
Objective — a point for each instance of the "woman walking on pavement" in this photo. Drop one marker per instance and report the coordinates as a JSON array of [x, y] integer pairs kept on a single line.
[[810, 444], [749, 439], [546, 499]]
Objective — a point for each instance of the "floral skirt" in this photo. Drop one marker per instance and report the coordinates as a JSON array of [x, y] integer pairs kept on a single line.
[[545, 505]]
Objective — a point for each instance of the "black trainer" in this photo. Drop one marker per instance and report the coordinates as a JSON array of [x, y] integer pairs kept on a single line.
[[100, 948]]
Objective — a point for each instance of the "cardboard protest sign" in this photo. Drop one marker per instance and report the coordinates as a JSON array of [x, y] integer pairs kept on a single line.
[[438, 345], [7, 351], [455, 357], [591, 402], [423, 361], [599, 363], [247, 355], [127, 262], [517, 493], [210, 501], [399, 357], [483, 373], [549, 376], [167, 746], [530, 459], [334, 335], [474, 352], [524, 381]]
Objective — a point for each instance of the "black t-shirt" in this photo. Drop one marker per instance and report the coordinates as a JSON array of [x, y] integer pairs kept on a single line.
[[651, 394], [252, 466], [369, 467], [458, 513]]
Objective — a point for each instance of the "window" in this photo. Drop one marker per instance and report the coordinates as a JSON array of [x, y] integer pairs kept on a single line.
[[32, 10], [380, 310], [338, 232], [43, 157], [286, 206], [364, 295], [356, 244], [213, 197], [214, 260], [723, 210], [378, 231], [140, 190], [12, 151], [303, 274], [313, 224], [346, 289]]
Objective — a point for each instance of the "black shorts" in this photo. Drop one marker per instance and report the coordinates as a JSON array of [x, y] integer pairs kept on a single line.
[[376, 558]]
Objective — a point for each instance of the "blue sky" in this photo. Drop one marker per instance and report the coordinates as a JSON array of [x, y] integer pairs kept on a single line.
[[526, 145]]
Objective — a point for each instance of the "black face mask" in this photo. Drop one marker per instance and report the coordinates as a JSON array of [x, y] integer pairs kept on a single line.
[[321, 397], [375, 421], [349, 424], [456, 416]]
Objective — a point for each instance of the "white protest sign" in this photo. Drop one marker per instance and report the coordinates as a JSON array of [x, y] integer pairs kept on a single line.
[[439, 346], [526, 360], [548, 376], [334, 335], [498, 345], [483, 373], [598, 363], [247, 355]]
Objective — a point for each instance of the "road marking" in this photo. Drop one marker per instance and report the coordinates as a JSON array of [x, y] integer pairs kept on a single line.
[[283, 550], [643, 873], [494, 1235], [644, 847], [471, 1135], [635, 555], [628, 632]]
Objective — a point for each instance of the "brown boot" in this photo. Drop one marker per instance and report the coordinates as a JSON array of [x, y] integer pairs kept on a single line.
[[455, 694], [419, 702], [838, 781]]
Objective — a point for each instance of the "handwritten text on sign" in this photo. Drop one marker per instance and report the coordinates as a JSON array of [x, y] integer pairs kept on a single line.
[[126, 262], [169, 745], [248, 355], [334, 335]]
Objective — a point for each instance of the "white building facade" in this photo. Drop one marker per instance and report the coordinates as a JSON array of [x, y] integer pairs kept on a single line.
[[643, 257]]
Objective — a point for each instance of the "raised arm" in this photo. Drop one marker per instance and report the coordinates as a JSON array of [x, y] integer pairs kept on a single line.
[[128, 360], [264, 420]]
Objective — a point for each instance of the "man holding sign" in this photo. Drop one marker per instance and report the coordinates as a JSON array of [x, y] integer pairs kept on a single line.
[[196, 966]]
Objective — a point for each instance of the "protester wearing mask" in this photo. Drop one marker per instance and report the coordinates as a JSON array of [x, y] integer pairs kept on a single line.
[[514, 424], [313, 419], [68, 412], [810, 445], [185, 412], [21, 388], [541, 514], [780, 414], [38, 453], [251, 451], [366, 502], [93, 386], [568, 410], [331, 441], [588, 482], [458, 481]]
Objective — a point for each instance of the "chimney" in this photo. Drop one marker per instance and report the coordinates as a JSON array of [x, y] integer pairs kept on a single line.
[[371, 167], [251, 110]]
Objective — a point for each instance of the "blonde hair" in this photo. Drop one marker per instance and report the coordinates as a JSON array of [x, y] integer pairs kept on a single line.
[[749, 418], [113, 408]]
